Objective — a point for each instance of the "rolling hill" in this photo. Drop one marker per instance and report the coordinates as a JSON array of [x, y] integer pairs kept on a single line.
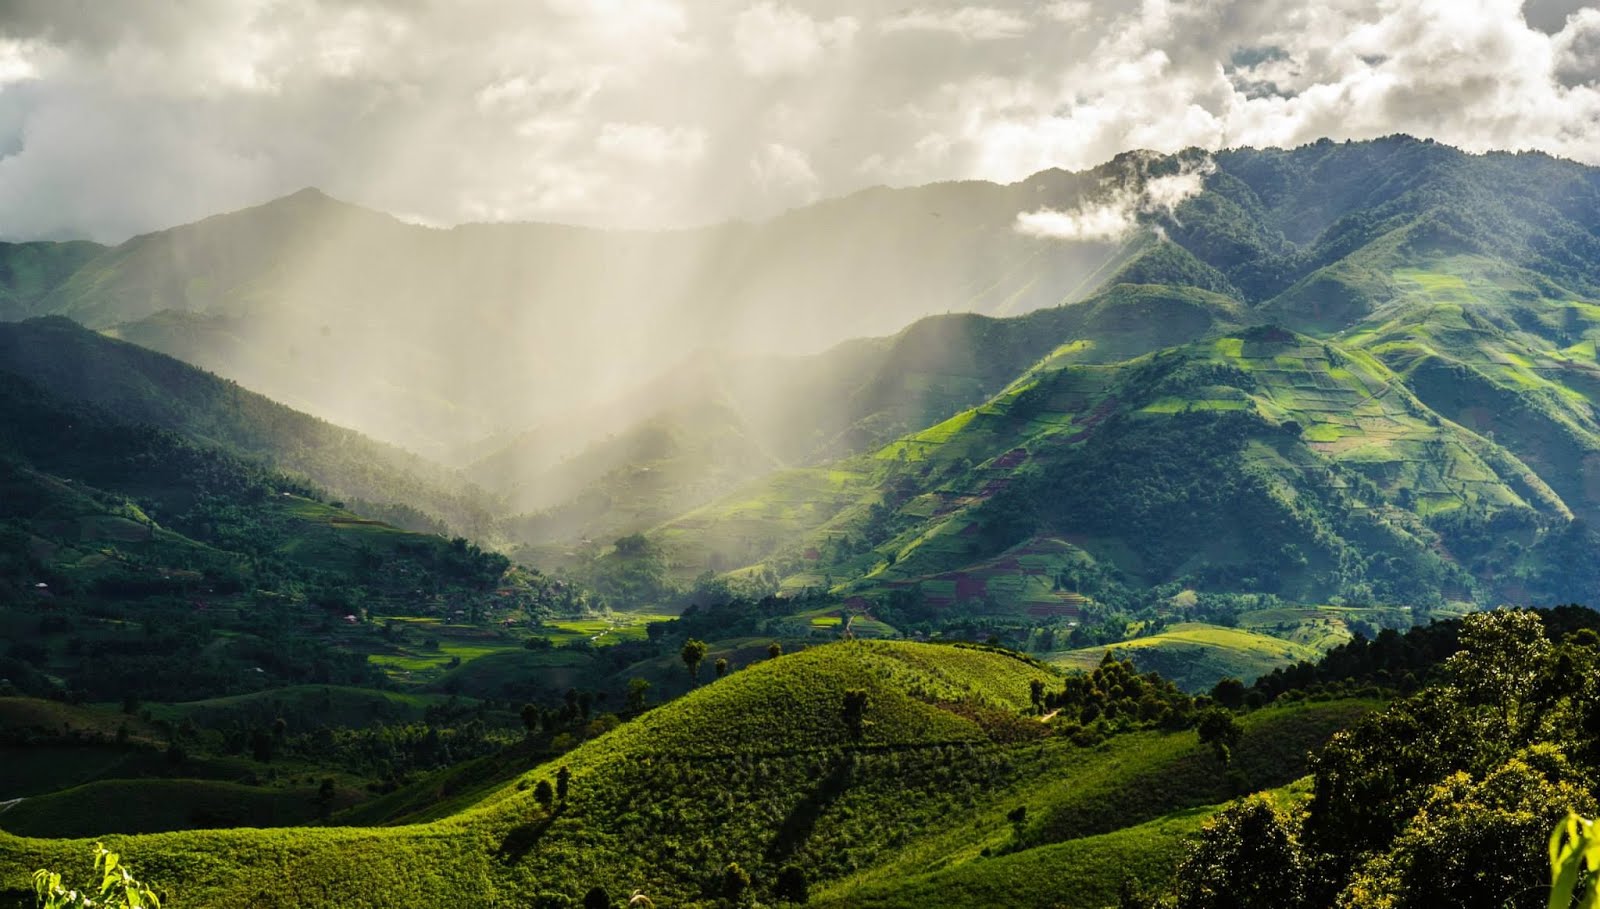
[[663, 803]]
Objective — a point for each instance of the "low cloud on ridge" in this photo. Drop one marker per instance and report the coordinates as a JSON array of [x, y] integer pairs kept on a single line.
[[1116, 211]]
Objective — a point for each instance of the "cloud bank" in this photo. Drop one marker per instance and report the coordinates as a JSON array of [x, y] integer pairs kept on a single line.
[[123, 116], [1118, 208]]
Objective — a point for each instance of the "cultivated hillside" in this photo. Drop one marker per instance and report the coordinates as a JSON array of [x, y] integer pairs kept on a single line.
[[766, 769], [1411, 420]]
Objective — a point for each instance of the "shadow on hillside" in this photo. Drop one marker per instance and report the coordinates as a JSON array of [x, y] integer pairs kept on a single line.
[[521, 839], [797, 827]]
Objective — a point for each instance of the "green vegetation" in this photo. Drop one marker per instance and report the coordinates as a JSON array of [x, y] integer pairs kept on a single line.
[[1196, 655], [118, 889], [142, 387], [946, 748], [1227, 489], [1445, 798]]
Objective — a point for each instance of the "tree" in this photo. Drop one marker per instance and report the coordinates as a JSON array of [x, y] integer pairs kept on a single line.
[[735, 881], [530, 717], [1221, 731], [1476, 844], [597, 898], [1502, 653], [544, 794], [1248, 857], [774, 650], [118, 888], [693, 652], [792, 885], [1036, 695], [638, 694], [721, 666], [563, 782], [261, 745], [855, 712], [1229, 693]]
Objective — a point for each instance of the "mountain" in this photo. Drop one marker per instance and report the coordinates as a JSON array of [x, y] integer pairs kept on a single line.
[[143, 387], [437, 336], [1383, 351], [30, 271], [719, 421], [161, 546], [1360, 372]]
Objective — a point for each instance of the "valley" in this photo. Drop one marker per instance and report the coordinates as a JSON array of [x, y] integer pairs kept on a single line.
[[852, 557]]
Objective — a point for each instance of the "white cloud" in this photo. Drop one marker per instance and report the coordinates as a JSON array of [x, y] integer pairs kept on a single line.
[[770, 39], [974, 23], [1069, 10], [1100, 222], [1116, 211], [137, 116], [647, 143], [16, 62], [784, 174]]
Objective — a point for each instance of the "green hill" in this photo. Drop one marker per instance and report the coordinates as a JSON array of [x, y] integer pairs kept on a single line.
[[137, 545], [143, 387], [30, 271], [1074, 478], [1196, 655], [760, 768]]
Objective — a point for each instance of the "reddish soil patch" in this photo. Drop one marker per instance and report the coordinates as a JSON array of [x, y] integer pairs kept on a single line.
[[970, 588], [1014, 458], [994, 486], [1094, 419]]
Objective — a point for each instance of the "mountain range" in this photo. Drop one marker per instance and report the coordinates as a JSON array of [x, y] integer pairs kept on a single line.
[[1383, 352], [532, 565]]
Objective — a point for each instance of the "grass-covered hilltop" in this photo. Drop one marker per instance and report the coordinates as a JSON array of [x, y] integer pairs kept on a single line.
[[1215, 563]]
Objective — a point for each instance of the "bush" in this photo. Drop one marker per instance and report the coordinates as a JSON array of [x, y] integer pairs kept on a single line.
[[118, 889]]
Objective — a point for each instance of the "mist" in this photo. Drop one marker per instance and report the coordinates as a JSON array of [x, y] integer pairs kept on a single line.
[[447, 340], [559, 240]]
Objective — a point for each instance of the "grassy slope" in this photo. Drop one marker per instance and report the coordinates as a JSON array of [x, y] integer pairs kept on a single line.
[[756, 768], [1196, 655], [1325, 424], [150, 805], [780, 518]]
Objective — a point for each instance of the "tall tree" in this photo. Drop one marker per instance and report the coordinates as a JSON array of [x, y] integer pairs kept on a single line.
[[694, 651]]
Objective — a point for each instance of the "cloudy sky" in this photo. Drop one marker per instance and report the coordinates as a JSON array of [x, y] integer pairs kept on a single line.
[[121, 117]]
